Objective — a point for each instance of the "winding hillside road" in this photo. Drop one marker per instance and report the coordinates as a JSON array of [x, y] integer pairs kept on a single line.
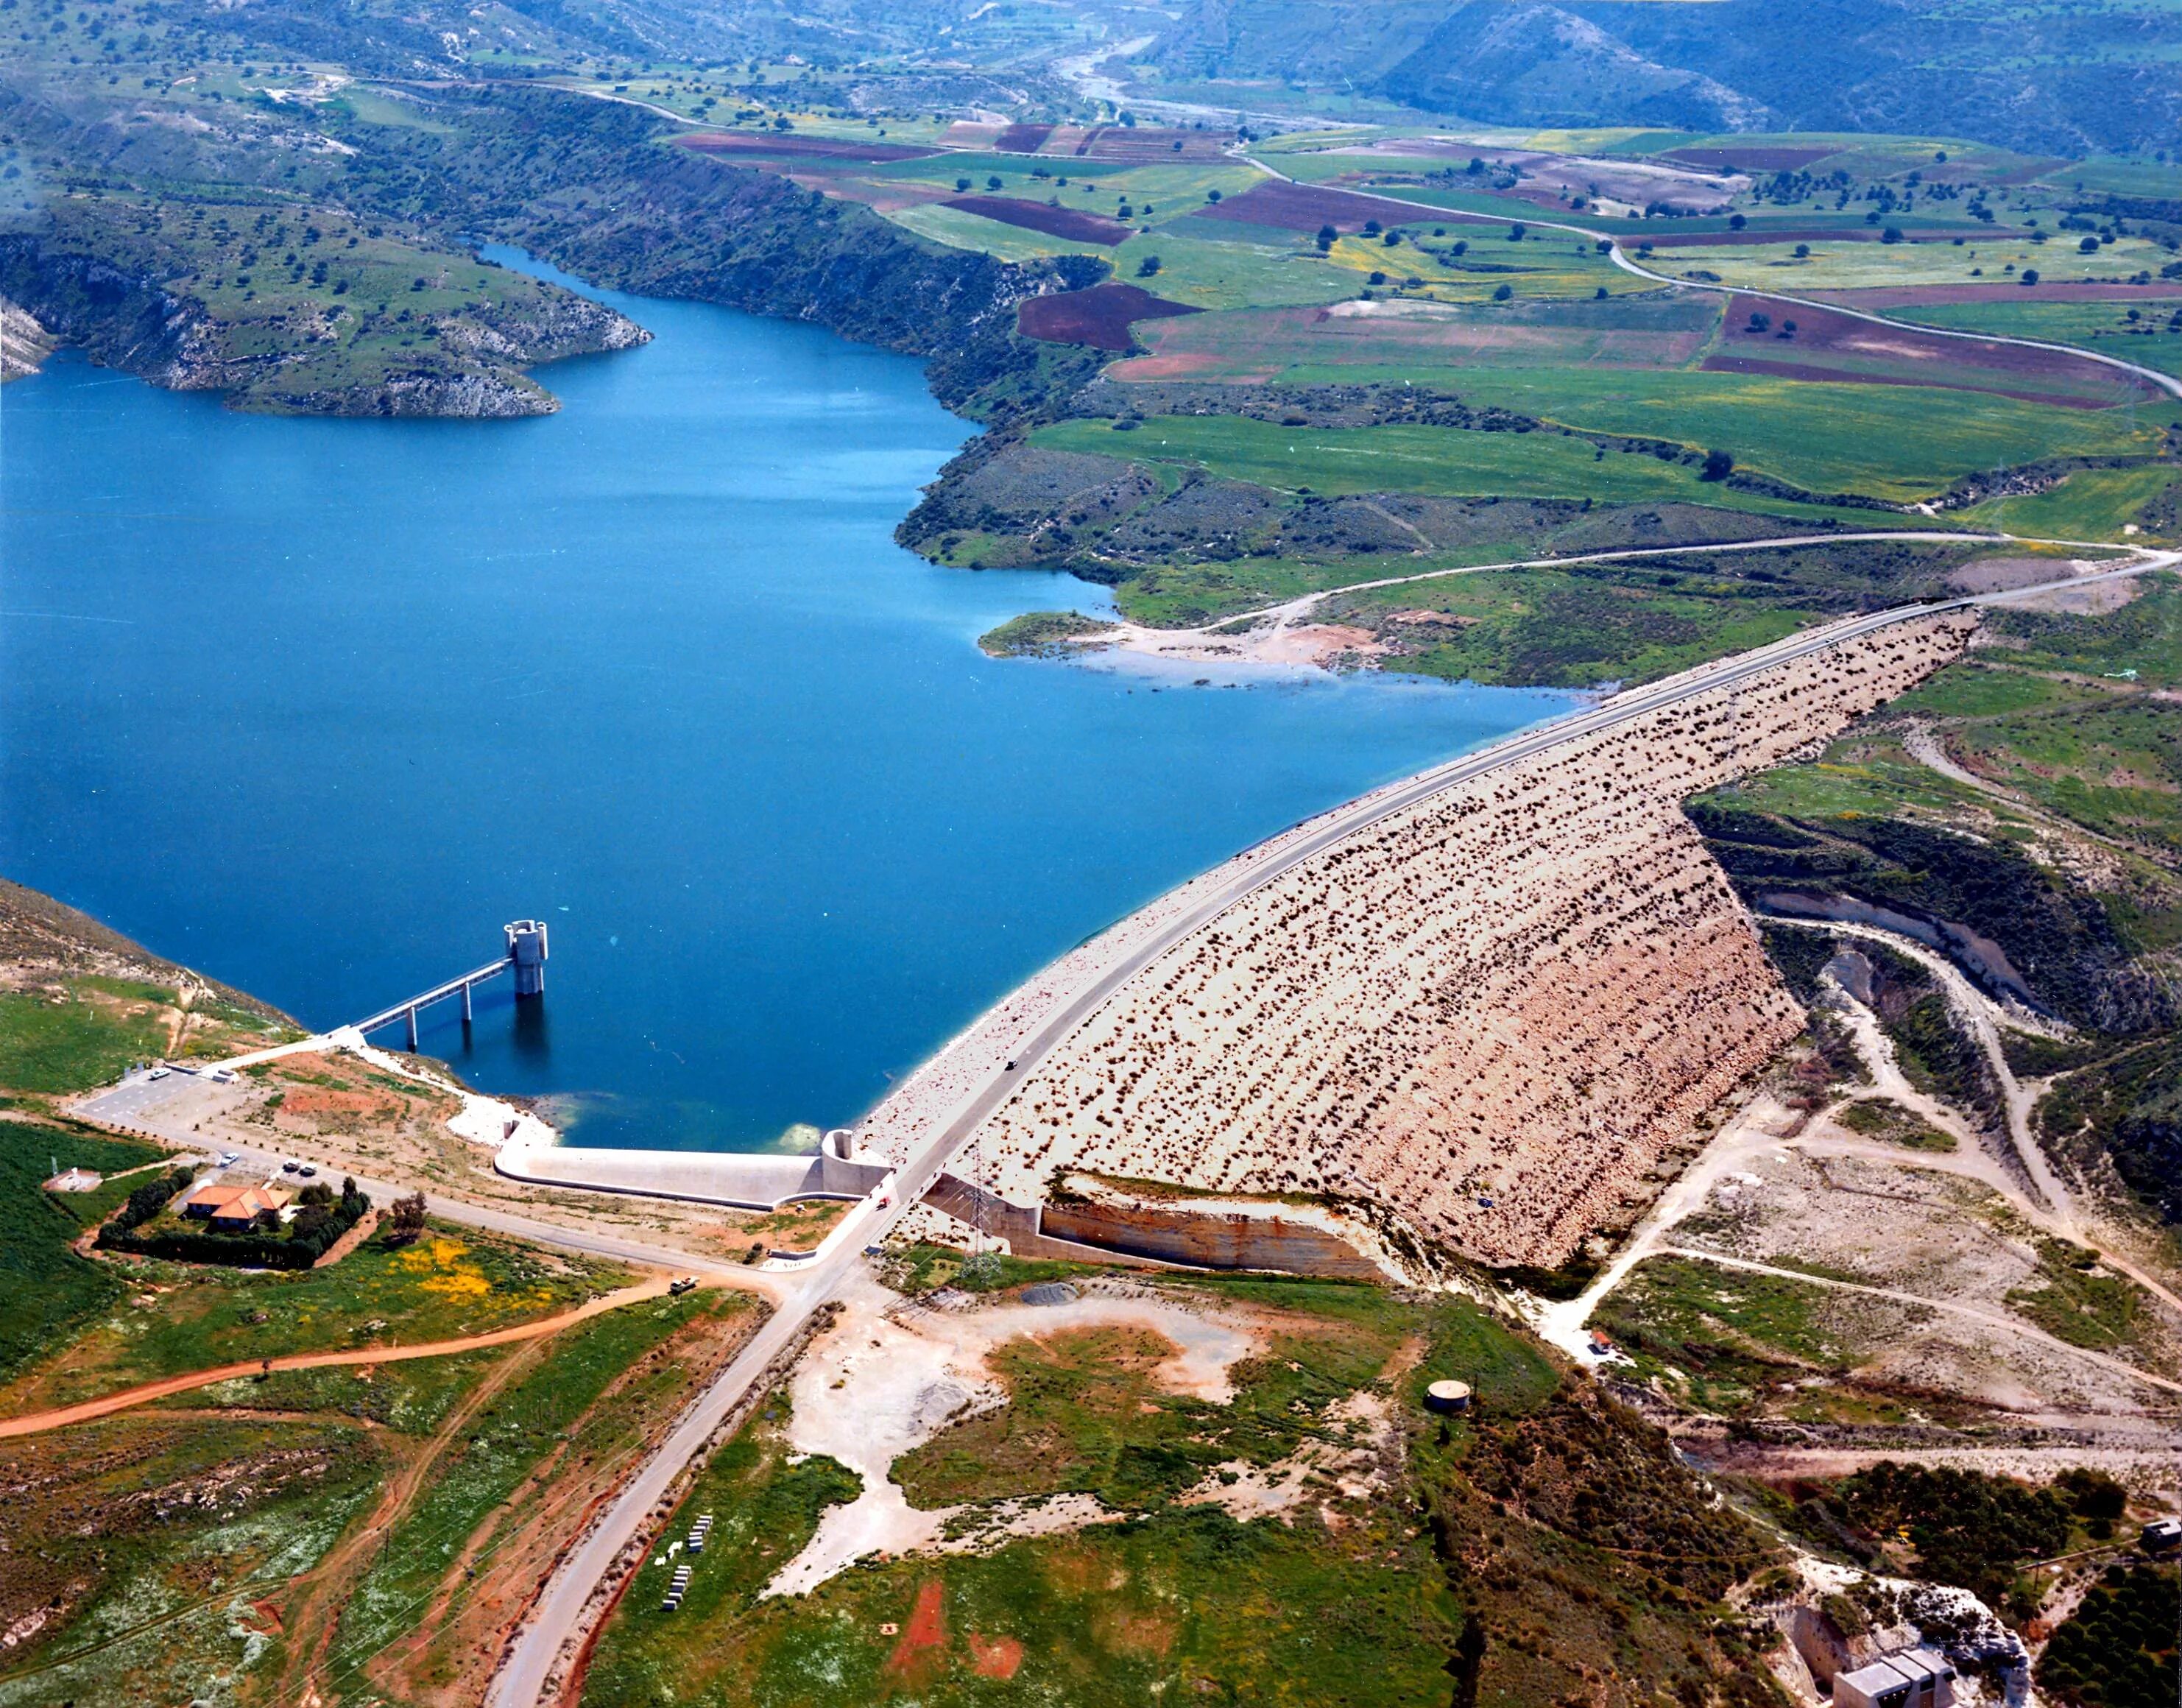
[[556, 1627]]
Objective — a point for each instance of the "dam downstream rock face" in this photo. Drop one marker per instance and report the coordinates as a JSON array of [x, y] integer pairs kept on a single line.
[[1487, 1015]]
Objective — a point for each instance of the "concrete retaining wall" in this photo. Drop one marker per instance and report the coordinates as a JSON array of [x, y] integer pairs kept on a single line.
[[742, 1181]]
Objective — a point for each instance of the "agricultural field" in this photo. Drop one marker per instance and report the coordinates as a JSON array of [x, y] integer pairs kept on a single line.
[[48, 1293], [1852, 266], [2147, 332], [1452, 462]]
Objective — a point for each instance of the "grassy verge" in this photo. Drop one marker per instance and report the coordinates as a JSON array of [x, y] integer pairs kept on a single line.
[[47, 1293], [549, 1421], [182, 1317], [2074, 1300]]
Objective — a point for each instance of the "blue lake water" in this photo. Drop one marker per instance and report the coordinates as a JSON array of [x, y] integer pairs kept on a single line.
[[315, 706]]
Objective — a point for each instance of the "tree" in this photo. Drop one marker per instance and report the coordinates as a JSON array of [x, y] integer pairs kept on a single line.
[[1718, 465], [1803, 251], [2029, 276], [1760, 322], [1893, 234], [993, 182], [962, 184], [1515, 232], [1212, 194], [2090, 245], [405, 1219], [1326, 234], [1148, 266], [1736, 222], [1502, 293]]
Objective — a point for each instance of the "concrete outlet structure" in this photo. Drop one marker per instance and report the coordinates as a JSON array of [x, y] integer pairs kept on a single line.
[[526, 948]]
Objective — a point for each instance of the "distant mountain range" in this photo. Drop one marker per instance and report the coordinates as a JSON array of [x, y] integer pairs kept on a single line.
[[2091, 77]]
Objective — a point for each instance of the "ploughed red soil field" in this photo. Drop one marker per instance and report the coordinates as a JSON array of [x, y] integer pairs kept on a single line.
[[1752, 159], [1831, 346], [2003, 291], [784, 146], [1142, 142], [1099, 317], [1023, 139], [1071, 223], [1818, 234], [1306, 207]]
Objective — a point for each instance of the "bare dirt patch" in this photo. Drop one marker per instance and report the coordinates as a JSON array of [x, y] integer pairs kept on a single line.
[[1290, 207]]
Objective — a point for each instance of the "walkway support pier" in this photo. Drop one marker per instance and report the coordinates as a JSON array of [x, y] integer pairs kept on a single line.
[[525, 958]]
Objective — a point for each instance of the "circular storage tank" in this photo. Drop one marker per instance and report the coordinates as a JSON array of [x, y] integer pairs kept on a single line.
[[1447, 1396]]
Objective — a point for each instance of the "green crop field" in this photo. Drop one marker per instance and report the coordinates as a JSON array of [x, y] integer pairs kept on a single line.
[[1897, 442], [2087, 504], [1851, 266], [1447, 460], [84, 1037], [46, 1292], [1202, 265]]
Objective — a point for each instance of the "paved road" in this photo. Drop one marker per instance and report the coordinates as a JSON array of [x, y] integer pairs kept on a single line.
[[522, 1682], [164, 1109]]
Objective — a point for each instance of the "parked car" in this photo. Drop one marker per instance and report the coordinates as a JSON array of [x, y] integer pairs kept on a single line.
[[307, 1170], [227, 1159], [291, 1166], [158, 1073], [685, 1285]]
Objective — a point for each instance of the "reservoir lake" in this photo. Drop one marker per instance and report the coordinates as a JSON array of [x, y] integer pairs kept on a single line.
[[315, 706]]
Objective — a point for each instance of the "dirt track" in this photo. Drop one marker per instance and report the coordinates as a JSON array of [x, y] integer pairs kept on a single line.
[[37, 1422]]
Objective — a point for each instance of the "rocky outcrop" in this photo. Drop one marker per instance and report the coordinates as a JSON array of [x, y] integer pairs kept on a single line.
[[117, 318], [474, 367], [23, 343]]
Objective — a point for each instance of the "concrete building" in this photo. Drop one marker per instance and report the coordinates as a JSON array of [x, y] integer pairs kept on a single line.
[[526, 948], [1913, 1678]]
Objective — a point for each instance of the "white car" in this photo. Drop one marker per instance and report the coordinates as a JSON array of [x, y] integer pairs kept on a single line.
[[158, 1073], [227, 1159]]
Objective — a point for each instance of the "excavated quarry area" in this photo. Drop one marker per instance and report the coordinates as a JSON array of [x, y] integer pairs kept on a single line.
[[1487, 1015]]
